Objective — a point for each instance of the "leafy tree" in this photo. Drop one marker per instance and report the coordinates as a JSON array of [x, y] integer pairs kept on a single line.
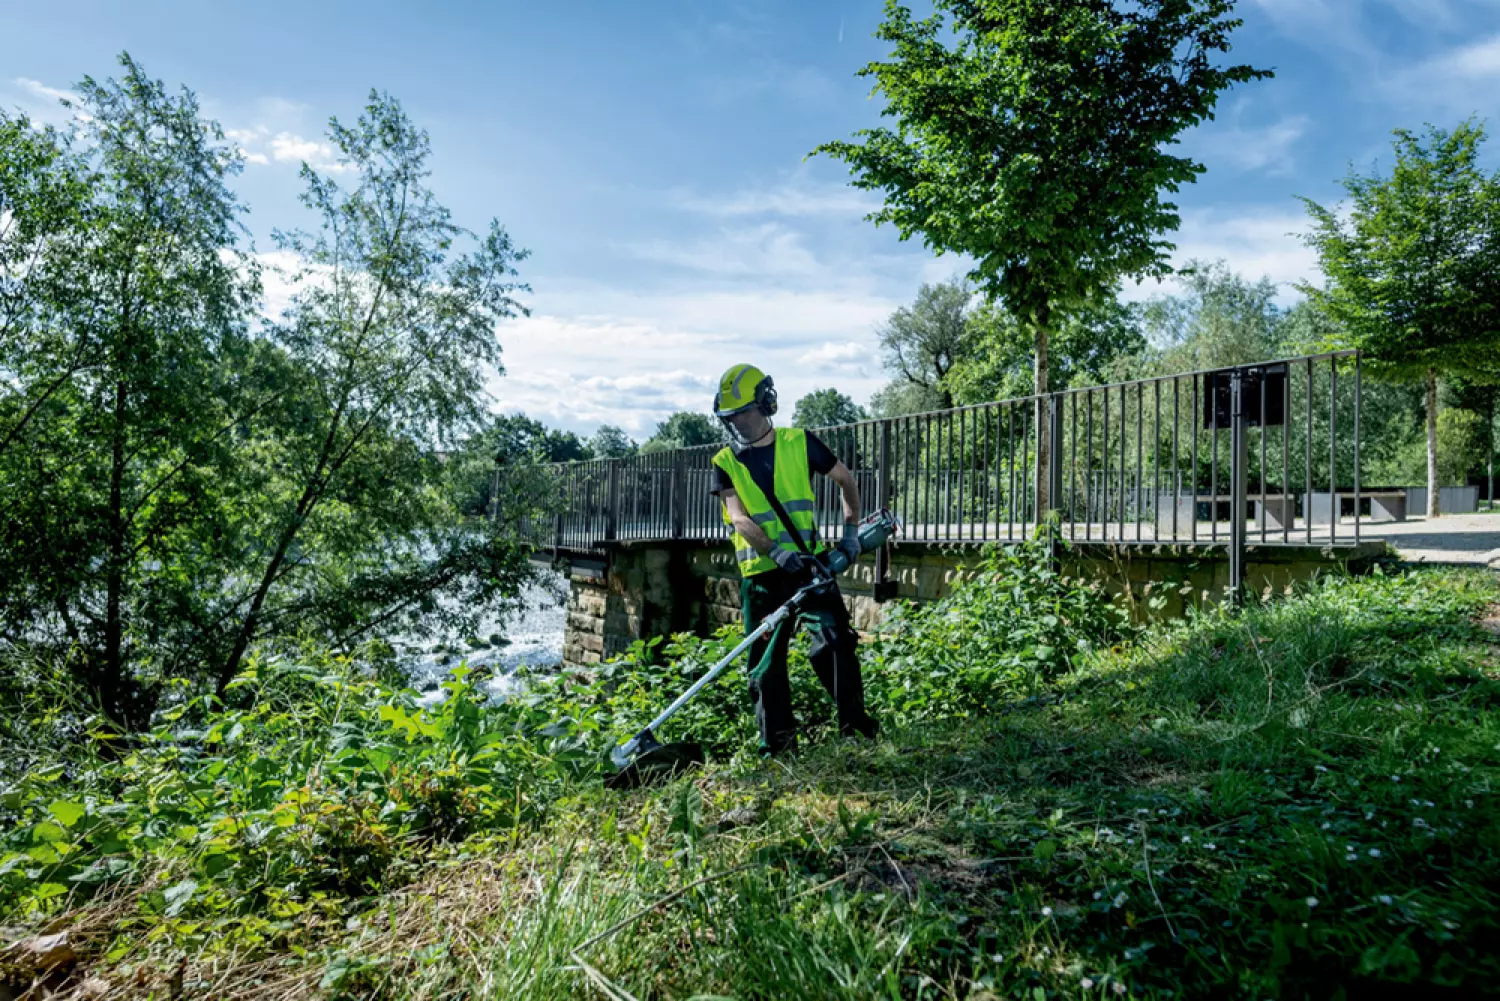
[[995, 363], [826, 407], [509, 440], [610, 442], [922, 342], [125, 326], [1413, 277], [1037, 143], [390, 331], [684, 429], [898, 398]]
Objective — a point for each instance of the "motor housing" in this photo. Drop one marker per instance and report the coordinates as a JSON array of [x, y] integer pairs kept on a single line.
[[875, 530]]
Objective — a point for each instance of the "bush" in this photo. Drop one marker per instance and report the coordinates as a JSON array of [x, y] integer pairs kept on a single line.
[[1007, 629]]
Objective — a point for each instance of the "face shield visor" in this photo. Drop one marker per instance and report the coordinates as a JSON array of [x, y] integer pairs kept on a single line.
[[764, 403]]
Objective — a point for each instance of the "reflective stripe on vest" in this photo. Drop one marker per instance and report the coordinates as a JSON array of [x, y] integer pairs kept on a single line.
[[793, 486]]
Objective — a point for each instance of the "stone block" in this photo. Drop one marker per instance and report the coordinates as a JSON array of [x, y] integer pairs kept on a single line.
[[867, 615], [578, 623]]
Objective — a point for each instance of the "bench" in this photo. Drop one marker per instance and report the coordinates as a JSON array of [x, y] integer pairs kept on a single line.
[[1385, 505]]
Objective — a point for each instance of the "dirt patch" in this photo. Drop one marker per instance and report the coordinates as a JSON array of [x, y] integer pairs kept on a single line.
[[1491, 622]]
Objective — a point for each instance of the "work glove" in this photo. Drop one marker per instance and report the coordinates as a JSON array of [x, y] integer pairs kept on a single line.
[[849, 544], [791, 561]]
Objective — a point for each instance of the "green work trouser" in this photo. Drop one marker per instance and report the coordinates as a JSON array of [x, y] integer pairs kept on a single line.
[[833, 655]]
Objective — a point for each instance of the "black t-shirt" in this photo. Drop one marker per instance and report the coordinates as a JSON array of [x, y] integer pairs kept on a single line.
[[761, 462]]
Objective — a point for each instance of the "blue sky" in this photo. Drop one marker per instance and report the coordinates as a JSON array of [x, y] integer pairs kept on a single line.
[[651, 156]]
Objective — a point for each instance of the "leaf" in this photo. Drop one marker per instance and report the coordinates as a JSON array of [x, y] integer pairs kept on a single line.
[[48, 832], [66, 811], [178, 896], [1044, 850]]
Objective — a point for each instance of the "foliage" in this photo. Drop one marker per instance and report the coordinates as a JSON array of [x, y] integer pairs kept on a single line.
[[126, 339], [897, 398], [508, 440], [1284, 802], [1037, 143], [922, 342], [825, 408], [1011, 626], [1461, 438], [1412, 275], [685, 429], [180, 486], [1087, 345], [610, 442], [321, 781]]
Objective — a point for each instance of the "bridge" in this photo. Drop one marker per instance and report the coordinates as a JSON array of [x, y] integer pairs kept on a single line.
[[1203, 485]]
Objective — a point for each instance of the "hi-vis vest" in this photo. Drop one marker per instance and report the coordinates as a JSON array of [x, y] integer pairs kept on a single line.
[[793, 485]]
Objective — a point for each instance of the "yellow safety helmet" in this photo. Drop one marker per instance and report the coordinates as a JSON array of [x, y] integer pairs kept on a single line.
[[742, 387]]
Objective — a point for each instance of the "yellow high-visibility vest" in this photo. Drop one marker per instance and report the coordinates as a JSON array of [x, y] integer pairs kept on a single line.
[[792, 482]]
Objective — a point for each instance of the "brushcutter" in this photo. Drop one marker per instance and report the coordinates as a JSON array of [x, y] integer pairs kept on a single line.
[[643, 756]]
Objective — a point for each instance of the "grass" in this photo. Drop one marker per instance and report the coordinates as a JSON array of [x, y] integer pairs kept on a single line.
[[1296, 801]]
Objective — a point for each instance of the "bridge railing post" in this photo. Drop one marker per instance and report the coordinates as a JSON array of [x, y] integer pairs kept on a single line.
[[1237, 485], [612, 500], [678, 488]]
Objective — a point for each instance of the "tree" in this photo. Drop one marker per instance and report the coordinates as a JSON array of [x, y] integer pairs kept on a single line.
[[922, 342], [610, 442], [126, 337], [1037, 143], [898, 398], [826, 407], [509, 440], [391, 332], [995, 363], [1413, 277], [684, 429]]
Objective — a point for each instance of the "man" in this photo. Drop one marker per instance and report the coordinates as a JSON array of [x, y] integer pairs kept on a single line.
[[766, 461]]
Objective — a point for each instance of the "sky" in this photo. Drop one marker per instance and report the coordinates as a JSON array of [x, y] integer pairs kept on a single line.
[[653, 157]]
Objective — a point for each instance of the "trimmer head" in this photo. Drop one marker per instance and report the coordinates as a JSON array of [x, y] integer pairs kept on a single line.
[[643, 759]]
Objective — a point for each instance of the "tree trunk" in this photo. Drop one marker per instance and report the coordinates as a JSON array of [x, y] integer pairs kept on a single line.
[[1043, 420], [109, 678], [1490, 456], [1434, 509], [305, 504]]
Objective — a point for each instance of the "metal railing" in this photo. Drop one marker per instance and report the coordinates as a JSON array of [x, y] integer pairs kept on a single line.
[[1265, 453]]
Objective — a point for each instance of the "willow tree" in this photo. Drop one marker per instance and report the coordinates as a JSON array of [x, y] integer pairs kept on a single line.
[[1413, 276], [1035, 141]]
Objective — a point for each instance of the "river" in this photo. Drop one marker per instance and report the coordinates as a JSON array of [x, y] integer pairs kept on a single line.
[[531, 637]]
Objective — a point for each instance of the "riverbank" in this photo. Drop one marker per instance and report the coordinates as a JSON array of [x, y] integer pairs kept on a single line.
[[1292, 801]]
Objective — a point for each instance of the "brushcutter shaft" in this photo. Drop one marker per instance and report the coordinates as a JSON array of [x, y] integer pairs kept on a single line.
[[766, 625]]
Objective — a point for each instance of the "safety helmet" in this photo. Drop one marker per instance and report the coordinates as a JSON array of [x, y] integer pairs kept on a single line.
[[742, 387]]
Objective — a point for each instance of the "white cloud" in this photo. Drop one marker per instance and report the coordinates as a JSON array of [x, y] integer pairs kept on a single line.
[[286, 146], [261, 146], [838, 353], [1251, 148], [765, 251], [792, 197], [1463, 80], [631, 359], [39, 89], [1255, 242]]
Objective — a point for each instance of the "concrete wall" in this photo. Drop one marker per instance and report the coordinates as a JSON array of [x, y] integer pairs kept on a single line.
[[650, 589]]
